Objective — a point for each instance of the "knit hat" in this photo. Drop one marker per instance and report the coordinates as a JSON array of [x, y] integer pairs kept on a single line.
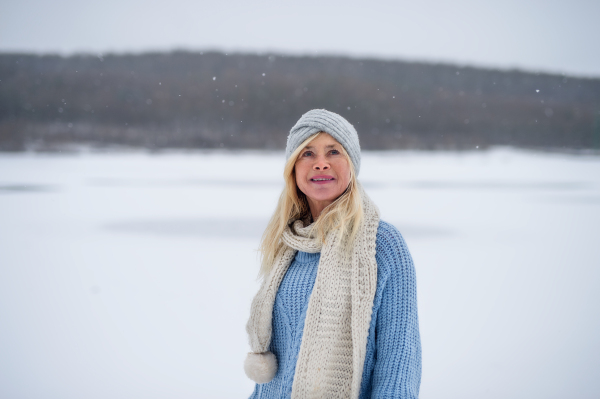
[[321, 120]]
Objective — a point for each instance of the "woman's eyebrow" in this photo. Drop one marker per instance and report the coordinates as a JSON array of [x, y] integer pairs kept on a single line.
[[310, 147]]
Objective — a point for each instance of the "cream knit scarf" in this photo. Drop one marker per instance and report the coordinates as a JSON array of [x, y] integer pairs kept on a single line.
[[332, 352]]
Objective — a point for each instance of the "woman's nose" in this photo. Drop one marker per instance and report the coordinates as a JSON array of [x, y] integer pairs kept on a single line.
[[321, 165]]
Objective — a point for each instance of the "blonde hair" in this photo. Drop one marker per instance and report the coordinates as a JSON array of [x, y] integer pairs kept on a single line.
[[345, 214]]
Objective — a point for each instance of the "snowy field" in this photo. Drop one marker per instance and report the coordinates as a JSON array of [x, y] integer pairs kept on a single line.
[[130, 275]]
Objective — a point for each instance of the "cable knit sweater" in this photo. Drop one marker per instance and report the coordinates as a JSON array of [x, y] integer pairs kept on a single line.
[[392, 367]]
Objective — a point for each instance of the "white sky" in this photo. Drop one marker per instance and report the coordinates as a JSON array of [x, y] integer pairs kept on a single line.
[[541, 35]]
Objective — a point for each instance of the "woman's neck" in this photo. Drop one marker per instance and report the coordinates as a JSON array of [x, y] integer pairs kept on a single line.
[[316, 208]]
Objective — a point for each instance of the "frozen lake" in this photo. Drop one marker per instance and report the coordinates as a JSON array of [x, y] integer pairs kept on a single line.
[[130, 275]]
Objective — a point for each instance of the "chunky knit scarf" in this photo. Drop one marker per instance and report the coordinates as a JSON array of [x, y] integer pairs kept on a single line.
[[336, 328]]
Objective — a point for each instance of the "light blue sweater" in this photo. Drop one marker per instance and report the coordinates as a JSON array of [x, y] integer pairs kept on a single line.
[[392, 366]]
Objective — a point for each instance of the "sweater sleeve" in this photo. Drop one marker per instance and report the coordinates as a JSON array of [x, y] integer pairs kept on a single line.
[[397, 369]]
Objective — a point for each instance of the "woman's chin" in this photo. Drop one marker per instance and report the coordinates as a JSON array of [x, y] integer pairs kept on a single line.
[[322, 196]]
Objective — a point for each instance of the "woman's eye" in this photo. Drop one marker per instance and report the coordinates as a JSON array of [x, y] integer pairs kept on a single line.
[[334, 152], [307, 154]]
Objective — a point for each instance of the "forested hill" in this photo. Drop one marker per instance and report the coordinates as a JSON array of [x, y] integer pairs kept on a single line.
[[207, 100]]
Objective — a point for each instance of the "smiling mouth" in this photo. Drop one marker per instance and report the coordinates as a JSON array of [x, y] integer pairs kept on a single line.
[[321, 179]]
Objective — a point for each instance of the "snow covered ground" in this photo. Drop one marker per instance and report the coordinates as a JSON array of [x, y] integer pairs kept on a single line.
[[130, 275]]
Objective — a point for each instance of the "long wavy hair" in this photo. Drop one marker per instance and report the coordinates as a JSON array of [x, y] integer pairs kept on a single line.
[[344, 215]]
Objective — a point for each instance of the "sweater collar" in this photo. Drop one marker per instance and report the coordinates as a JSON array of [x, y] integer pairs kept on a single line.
[[307, 257]]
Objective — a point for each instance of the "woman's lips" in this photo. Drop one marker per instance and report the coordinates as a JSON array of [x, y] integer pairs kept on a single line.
[[322, 179]]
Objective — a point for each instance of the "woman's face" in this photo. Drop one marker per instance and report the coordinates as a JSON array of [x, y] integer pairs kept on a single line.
[[322, 171]]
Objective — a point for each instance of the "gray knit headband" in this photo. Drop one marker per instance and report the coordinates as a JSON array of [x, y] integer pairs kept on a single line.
[[321, 120]]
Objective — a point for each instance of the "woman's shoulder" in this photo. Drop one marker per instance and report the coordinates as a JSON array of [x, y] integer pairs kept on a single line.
[[392, 253], [389, 237]]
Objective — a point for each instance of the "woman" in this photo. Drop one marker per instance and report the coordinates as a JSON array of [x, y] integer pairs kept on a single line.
[[336, 313]]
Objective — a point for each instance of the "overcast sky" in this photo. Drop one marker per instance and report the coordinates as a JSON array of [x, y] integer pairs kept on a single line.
[[540, 35]]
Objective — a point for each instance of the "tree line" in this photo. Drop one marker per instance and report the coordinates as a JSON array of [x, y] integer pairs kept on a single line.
[[211, 100]]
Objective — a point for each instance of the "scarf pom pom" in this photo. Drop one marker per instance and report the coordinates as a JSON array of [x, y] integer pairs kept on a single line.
[[260, 367]]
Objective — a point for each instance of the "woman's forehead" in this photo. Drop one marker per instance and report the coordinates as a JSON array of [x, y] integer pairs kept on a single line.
[[324, 139]]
